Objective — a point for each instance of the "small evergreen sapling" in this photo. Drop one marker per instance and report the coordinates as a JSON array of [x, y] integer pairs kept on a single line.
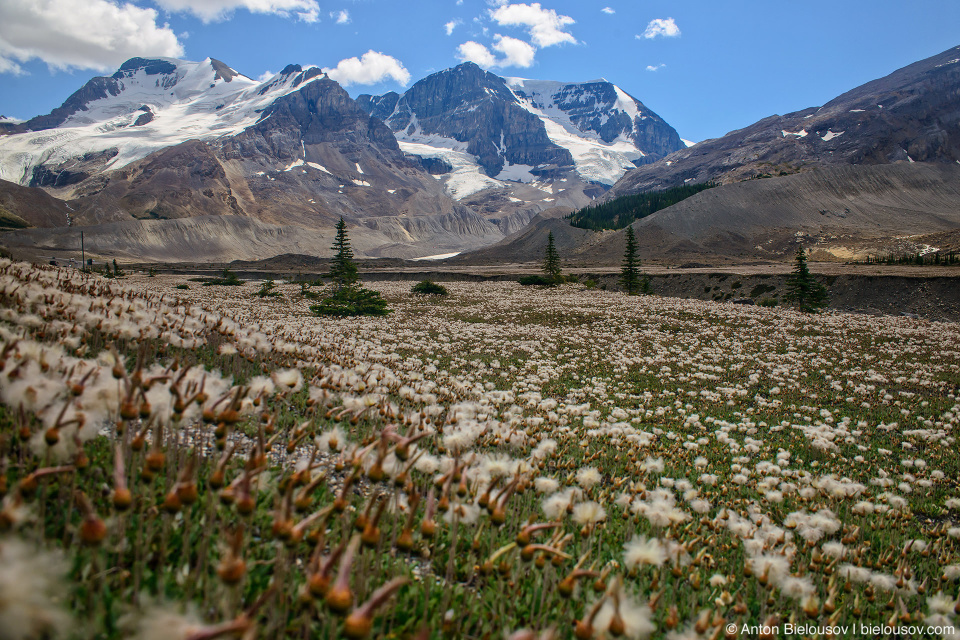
[[428, 287], [632, 279], [551, 262], [268, 290], [630, 272], [348, 298], [343, 271], [803, 289]]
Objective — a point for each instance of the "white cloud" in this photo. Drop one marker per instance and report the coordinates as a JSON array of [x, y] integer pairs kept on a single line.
[[657, 67], [545, 26], [665, 27], [450, 26], [608, 11], [212, 10], [80, 34], [371, 68], [517, 53], [342, 16], [471, 51], [266, 75]]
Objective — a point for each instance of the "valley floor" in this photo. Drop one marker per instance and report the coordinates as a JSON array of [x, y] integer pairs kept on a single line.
[[698, 466]]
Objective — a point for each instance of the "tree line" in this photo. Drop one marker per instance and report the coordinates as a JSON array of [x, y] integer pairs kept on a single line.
[[622, 211]]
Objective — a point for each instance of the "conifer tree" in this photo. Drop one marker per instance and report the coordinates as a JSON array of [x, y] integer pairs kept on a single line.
[[803, 288], [343, 271], [551, 261], [348, 298], [630, 273]]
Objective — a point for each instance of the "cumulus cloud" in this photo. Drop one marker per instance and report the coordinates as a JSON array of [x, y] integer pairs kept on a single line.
[[608, 11], [545, 26], [655, 67], [342, 16], [665, 27], [516, 53], [371, 68], [471, 51], [450, 26], [80, 34], [212, 10]]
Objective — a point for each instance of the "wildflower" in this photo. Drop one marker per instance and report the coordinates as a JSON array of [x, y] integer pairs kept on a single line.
[[261, 386], [940, 604], [555, 506], [332, 440], [546, 485], [288, 379], [718, 580], [640, 551], [588, 477], [31, 585], [589, 513], [772, 568], [622, 616], [498, 466], [700, 505], [796, 588], [653, 465]]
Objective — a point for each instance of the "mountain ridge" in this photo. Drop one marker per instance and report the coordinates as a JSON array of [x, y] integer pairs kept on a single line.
[[909, 115]]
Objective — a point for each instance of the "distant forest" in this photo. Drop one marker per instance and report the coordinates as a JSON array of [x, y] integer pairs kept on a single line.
[[622, 211]]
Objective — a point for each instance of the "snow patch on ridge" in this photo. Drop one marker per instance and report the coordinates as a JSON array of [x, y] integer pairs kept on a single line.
[[467, 176], [517, 173], [319, 167]]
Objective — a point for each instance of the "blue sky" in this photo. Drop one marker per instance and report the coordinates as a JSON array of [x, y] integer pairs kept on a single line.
[[707, 67]]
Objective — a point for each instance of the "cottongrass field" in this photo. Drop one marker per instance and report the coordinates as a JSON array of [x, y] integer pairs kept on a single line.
[[507, 462]]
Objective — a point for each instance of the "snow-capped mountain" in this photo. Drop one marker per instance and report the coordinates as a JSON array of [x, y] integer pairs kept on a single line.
[[462, 159], [147, 105], [479, 131], [162, 140]]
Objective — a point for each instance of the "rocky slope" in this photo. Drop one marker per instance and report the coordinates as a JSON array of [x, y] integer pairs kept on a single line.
[[29, 207], [911, 115], [838, 213]]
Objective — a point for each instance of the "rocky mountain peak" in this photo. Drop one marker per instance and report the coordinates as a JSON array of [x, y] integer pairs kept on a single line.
[[519, 129], [150, 66]]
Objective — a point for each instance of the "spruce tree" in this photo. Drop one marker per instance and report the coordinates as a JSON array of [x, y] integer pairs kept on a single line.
[[343, 271], [803, 288], [348, 298], [551, 261], [630, 273]]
